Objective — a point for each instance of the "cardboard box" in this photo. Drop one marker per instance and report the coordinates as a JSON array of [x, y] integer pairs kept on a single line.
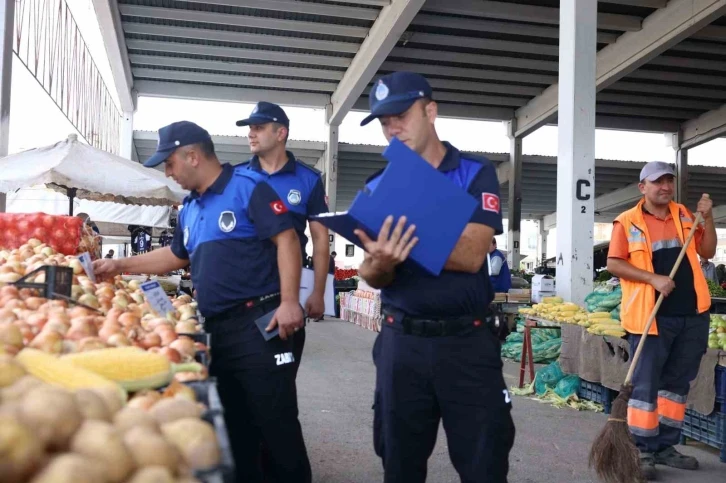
[[543, 283], [538, 296]]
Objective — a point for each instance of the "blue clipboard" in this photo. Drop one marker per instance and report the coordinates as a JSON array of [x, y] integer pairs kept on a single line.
[[410, 186]]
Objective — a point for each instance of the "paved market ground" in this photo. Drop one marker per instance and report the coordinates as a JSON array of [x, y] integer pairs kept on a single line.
[[335, 386]]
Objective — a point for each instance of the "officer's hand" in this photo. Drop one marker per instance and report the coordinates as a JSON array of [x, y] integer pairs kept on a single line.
[[390, 249], [105, 268], [288, 317], [663, 284], [315, 305], [705, 204]]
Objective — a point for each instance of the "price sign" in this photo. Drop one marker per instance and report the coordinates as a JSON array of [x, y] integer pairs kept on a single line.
[[157, 298], [87, 265]]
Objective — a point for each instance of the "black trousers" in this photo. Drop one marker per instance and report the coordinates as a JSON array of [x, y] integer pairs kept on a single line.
[[662, 379], [256, 382], [456, 379]]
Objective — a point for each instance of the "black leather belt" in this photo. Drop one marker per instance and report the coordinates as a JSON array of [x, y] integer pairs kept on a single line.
[[272, 299], [436, 327]]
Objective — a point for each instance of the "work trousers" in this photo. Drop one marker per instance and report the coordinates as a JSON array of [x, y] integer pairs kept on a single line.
[[456, 379], [256, 382], [662, 377]]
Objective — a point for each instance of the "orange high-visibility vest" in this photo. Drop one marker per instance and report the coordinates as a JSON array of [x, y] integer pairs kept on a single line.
[[639, 298]]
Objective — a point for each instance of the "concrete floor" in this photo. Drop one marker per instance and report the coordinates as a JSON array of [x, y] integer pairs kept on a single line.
[[335, 387]]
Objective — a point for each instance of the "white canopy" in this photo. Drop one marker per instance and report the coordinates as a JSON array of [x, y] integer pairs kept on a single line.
[[95, 174]]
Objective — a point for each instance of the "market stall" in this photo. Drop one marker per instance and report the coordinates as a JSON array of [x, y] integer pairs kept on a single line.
[[594, 348], [106, 377], [362, 307]]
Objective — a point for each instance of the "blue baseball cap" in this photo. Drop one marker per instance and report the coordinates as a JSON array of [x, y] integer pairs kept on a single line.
[[394, 93], [174, 136], [265, 112]]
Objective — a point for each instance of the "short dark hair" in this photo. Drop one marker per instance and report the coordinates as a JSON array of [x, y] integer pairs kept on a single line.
[[494, 240], [333, 253], [277, 127], [206, 147]]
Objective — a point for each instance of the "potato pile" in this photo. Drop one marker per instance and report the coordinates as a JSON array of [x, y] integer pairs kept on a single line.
[[51, 435]]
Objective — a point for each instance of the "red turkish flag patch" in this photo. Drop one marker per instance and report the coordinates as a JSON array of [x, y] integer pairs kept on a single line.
[[490, 202], [278, 207]]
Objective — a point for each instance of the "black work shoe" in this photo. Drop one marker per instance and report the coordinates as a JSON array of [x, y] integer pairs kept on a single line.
[[674, 459], [647, 466]]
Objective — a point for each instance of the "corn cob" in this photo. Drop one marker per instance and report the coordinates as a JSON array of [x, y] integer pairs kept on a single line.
[[62, 373], [130, 367]]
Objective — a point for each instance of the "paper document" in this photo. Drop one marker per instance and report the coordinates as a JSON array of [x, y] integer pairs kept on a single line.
[[307, 284]]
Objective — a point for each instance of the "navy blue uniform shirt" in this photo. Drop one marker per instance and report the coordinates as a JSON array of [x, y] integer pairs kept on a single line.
[[225, 233], [300, 187], [451, 294]]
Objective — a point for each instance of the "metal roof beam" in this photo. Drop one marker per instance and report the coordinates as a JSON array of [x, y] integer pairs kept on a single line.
[[235, 67], [464, 72], [638, 3], [179, 90], [379, 3], [712, 33], [237, 141], [247, 21], [608, 202], [382, 37], [238, 53], [481, 25], [234, 80], [668, 90], [525, 13], [704, 128], [338, 11], [661, 30], [109, 23], [239, 37]]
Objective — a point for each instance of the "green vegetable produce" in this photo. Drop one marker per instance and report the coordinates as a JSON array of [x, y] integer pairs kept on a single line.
[[715, 289]]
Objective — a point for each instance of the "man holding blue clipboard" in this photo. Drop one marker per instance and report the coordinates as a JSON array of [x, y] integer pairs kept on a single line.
[[437, 357]]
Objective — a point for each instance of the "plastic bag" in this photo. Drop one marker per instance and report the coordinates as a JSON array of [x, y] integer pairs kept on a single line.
[[567, 386], [547, 377]]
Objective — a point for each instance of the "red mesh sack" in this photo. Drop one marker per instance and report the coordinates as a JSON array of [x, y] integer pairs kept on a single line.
[[65, 234]]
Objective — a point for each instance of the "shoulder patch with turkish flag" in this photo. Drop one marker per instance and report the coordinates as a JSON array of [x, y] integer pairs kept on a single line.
[[490, 202], [278, 207]]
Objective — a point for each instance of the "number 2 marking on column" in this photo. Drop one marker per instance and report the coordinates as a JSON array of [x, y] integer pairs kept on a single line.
[[583, 210]]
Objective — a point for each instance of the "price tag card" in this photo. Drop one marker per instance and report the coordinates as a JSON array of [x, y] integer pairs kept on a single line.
[[87, 264], [157, 298]]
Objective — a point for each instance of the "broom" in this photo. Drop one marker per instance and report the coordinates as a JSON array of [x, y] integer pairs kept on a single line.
[[614, 455]]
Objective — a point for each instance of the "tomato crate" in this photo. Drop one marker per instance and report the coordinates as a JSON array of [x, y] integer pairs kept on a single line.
[[710, 430], [598, 393]]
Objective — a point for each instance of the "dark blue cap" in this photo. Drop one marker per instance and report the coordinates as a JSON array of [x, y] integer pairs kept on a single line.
[[174, 136], [394, 93], [265, 112]]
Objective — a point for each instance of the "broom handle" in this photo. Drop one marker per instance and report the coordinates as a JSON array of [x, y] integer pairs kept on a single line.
[[651, 318]]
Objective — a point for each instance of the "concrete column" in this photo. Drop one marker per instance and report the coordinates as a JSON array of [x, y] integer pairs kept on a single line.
[[542, 242], [681, 169], [515, 196], [330, 171], [7, 23], [576, 153], [126, 135]]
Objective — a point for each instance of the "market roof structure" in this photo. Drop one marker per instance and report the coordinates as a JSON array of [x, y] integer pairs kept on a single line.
[[649, 65], [614, 180]]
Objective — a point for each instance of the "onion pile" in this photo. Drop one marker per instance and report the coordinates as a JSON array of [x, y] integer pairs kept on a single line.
[[57, 327]]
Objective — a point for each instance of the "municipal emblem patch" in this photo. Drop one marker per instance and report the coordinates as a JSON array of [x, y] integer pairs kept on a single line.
[[294, 197], [227, 221], [381, 91]]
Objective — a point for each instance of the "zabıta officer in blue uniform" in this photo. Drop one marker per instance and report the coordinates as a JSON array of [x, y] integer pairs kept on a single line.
[[245, 259], [301, 189], [437, 358]]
